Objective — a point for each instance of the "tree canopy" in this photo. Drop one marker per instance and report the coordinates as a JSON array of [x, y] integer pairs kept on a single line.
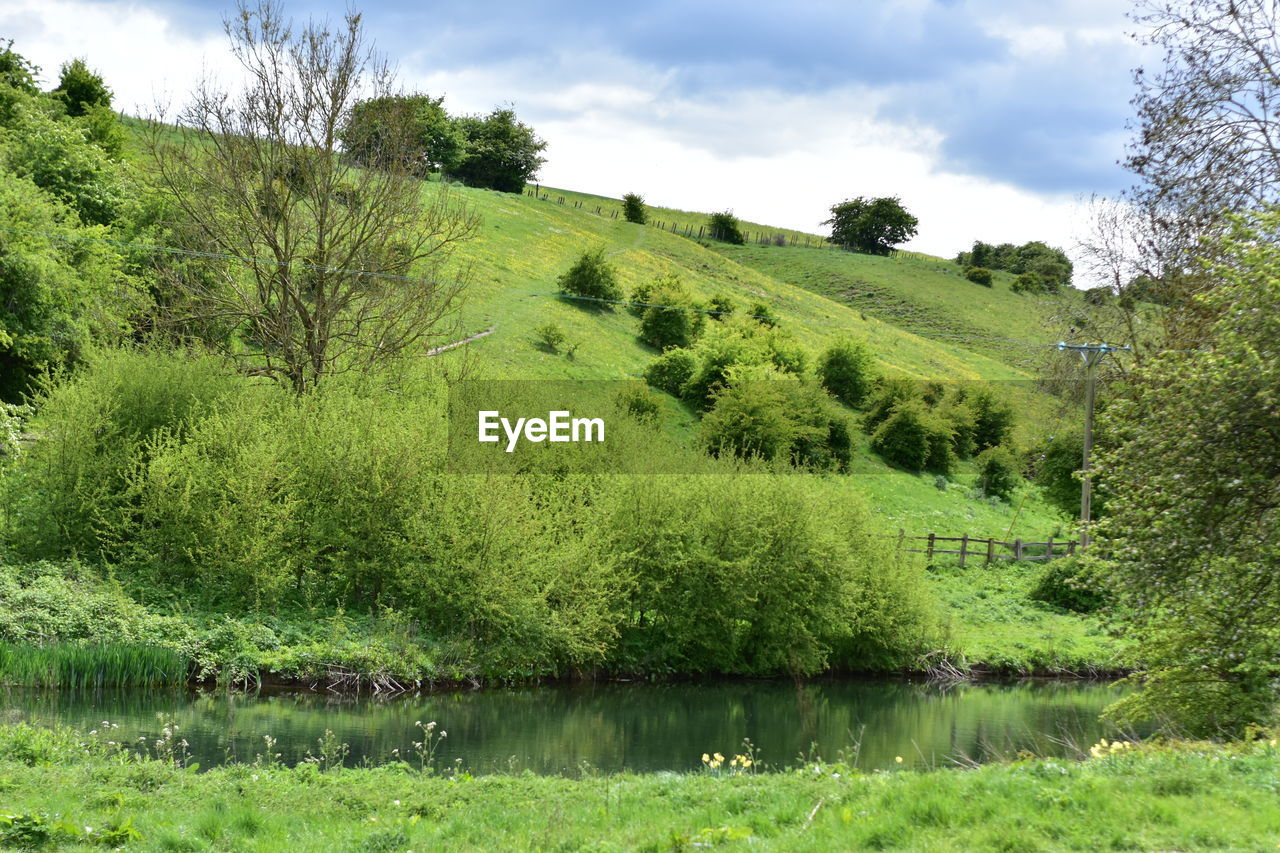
[[502, 152], [871, 225], [1193, 476]]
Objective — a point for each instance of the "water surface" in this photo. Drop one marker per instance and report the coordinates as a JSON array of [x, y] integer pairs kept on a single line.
[[610, 727]]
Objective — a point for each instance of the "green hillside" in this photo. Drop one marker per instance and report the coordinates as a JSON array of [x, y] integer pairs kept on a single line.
[[526, 243]]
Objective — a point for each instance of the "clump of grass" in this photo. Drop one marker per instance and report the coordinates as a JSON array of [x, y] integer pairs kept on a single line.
[[76, 665]]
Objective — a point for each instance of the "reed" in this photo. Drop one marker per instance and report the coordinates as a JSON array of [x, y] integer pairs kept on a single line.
[[74, 665]]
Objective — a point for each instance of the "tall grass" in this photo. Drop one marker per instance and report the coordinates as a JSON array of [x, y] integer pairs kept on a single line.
[[75, 665]]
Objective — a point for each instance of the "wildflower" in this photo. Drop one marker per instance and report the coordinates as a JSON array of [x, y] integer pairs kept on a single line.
[[898, 758], [395, 802]]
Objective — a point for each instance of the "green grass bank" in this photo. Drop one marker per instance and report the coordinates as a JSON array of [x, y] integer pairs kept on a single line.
[[63, 790]]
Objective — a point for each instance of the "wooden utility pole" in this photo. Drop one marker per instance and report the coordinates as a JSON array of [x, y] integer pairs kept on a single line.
[[1093, 354]]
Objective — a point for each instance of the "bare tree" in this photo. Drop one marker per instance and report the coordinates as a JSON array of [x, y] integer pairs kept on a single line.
[[316, 266], [1207, 138]]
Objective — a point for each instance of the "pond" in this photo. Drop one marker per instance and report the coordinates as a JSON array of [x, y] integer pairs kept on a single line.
[[610, 727]]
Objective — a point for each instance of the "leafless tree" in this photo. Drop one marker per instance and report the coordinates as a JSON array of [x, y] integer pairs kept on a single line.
[[315, 266]]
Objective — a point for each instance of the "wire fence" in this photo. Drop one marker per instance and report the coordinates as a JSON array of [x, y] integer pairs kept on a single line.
[[703, 231]]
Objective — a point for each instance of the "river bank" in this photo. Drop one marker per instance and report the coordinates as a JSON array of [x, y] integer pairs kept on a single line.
[[64, 790]]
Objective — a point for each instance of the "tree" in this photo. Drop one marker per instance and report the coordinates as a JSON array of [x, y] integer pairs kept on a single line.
[[1193, 476], [870, 225], [633, 208], [674, 319], [847, 369], [371, 133], [336, 267], [81, 89], [502, 153], [724, 226], [591, 277]]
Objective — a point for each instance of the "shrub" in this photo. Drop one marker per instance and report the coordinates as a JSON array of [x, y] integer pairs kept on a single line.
[[721, 306], [888, 394], [914, 439], [993, 418], [641, 299], [591, 277], [979, 275], [1069, 583], [672, 318], [1028, 282], [633, 209], [671, 371], [746, 573], [998, 473], [847, 370], [550, 337], [639, 404], [724, 226], [764, 315]]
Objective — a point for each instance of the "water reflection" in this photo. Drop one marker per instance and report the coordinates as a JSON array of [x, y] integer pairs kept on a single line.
[[612, 727]]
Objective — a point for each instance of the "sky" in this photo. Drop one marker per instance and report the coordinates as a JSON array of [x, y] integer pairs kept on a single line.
[[989, 119]]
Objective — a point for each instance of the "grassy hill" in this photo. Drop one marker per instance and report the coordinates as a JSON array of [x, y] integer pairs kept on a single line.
[[527, 242]]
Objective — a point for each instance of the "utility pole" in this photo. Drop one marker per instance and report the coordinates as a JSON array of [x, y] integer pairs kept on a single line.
[[1093, 354]]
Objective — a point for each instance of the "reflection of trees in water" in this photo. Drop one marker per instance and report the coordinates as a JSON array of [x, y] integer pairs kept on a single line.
[[611, 726]]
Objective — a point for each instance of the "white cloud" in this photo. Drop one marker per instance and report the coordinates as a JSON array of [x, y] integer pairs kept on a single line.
[[615, 125]]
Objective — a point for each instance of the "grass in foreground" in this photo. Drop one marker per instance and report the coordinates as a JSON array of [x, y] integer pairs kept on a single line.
[[63, 791]]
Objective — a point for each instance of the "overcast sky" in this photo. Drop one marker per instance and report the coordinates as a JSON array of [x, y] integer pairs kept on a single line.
[[990, 119]]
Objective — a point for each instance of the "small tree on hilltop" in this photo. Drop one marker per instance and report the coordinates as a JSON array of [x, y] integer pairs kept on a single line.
[[872, 226], [724, 226], [633, 208], [81, 89]]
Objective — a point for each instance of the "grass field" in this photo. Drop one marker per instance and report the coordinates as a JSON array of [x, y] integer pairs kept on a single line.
[[68, 791]]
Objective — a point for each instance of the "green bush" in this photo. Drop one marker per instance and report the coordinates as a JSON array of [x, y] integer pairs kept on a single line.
[[591, 277], [633, 209], [673, 319], [998, 473], [550, 336], [750, 574], [913, 438], [764, 315], [723, 226], [671, 371], [847, 369], [994, 418], [721, 306], [888, 394], [979, 275], [639, 404], [1069, 583], [1028, 282]]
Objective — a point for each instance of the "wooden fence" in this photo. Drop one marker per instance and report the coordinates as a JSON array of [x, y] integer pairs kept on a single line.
[[989, 550]]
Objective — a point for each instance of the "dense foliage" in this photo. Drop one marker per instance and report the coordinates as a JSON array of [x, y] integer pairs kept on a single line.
[[871, 225], [502, 152], [591, 277], [1040, 268], [1193, 470], [633, 209], [847, 370], [724, 226], [378, 130]]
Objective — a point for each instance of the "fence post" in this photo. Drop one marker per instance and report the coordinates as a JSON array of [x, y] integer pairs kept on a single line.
[[1071, 548], [964, 548], [1048, 551], [1017, 549], [930, 554], [991, 551], [902, 535]]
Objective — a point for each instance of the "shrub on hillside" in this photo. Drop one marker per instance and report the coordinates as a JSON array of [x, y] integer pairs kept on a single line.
[[998, 473], [1069, 583], [888, 393], [721, 306], [673, 318], [993, 418], [979, 275], [724, 226], [638, 403], [671, 371], [914, 439], [550, 337], [847, 370], [633, 209], [1027, 282], [591, 277], [764, 315]]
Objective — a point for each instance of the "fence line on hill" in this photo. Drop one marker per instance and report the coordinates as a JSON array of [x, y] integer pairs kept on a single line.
[[761, 238], [989, 549]]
